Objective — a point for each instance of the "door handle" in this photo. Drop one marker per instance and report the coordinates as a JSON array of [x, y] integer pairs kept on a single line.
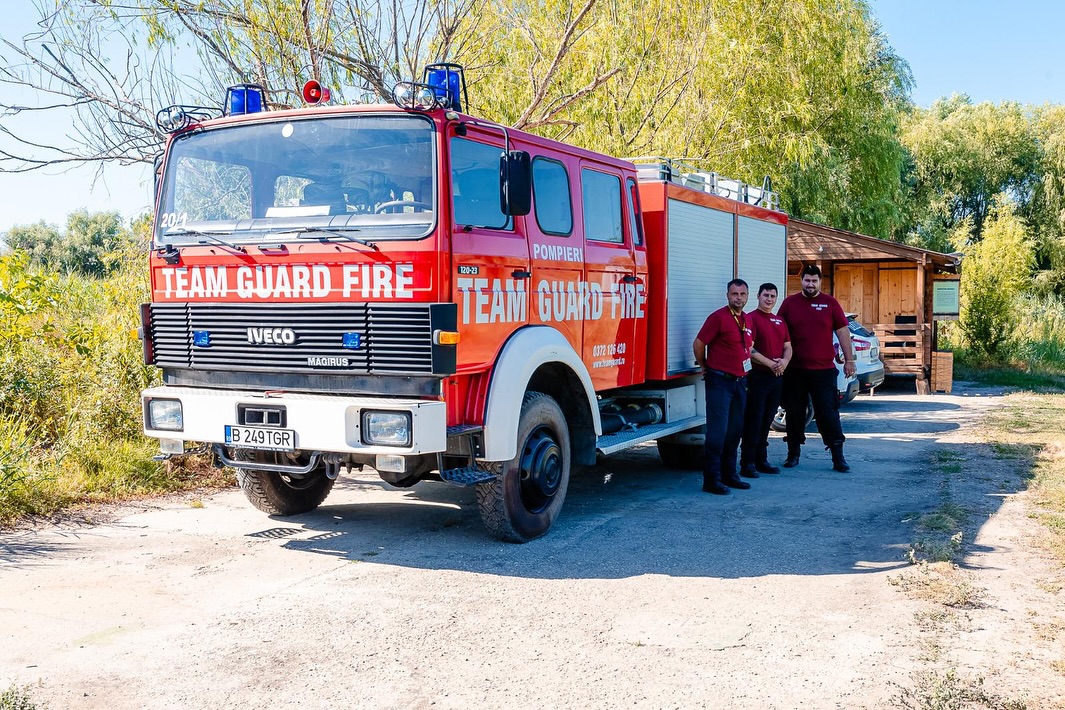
[[521, 274], [629, 279]]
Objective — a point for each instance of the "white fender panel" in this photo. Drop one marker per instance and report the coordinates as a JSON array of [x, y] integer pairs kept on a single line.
[[527, 350]]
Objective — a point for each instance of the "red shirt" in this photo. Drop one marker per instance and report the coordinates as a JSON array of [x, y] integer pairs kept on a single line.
[[725, 350], [811, 322], [770, 333]]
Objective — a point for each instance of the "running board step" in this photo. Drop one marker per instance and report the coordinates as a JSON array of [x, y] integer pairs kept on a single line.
[[466, 476], [612, 443]]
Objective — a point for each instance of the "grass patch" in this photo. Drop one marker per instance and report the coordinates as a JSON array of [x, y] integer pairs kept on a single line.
[[1030, 428], [933, 690], [996, 376], [70, 382], [17, 698], [942, 583]]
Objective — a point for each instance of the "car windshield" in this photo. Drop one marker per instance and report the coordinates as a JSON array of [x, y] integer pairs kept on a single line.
[[857, 328], [360, 177]]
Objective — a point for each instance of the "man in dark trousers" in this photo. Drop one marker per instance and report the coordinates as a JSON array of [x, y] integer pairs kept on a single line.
[[811, 317], [770, 357], [723, 353]]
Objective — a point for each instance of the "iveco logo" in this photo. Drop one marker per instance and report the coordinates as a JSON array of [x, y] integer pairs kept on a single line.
[[271, 336]]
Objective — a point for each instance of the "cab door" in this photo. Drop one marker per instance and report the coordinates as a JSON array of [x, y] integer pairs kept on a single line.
[[610, 337], [490, 255]]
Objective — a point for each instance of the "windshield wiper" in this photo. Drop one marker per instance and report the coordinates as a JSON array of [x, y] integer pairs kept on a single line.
[[207, 237], [324, 234]]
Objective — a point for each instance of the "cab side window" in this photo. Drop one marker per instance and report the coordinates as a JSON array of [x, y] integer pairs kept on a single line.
[[601, 197], [635, 221], [554, 210], [475, 184]]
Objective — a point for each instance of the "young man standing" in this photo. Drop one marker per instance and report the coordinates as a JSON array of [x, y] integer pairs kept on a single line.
[[811, 317], [770, 357], [723, 353]]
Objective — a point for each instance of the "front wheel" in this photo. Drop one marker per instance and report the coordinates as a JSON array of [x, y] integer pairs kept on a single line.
[[524, 499], [279, 494]]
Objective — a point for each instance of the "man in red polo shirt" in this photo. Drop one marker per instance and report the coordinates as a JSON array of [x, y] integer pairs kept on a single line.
[[770, 357], [723, 353], [811, 317]]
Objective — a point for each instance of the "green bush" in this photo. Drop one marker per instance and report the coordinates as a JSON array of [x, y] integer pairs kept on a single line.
[[71, 372]]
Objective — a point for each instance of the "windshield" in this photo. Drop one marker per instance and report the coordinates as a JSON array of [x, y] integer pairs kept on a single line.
[[371, 176]]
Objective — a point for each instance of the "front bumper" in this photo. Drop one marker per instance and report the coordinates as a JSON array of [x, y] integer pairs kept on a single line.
[[321, 422]]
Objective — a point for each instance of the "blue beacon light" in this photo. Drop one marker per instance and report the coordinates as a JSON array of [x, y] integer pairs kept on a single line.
[[244, 98], [447, 83]]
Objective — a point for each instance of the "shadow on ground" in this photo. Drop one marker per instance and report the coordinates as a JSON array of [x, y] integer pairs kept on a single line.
[[633, 516]]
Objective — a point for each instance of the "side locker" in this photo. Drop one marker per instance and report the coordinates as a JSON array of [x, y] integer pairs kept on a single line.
[[699, 262], [761, 252]]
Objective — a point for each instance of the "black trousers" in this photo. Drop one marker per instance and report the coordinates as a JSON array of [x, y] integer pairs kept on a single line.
[[763, 398], [726, 397], [801, 386]]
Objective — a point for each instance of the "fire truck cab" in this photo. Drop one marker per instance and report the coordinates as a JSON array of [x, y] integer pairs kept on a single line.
[[433, 295]]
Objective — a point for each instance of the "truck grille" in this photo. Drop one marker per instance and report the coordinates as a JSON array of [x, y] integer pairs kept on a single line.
[[351, 338]]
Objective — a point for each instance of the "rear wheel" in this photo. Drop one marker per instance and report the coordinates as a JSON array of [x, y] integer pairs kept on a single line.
[[280, 494], [688, 457], [524, 499], [780, 421]]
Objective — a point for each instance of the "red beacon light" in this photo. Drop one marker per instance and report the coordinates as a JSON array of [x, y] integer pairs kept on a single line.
[[315, 93]]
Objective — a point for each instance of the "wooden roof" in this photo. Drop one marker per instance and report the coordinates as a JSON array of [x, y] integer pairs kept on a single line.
[[810, 242]]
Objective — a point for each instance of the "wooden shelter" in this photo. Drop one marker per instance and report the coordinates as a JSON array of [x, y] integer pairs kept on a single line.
[[891, 288]]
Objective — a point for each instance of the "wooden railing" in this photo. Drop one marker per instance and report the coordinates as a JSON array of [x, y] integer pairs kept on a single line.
[[903, 346]]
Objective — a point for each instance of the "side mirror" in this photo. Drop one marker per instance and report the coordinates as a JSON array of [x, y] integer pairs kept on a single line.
[[515, 183]]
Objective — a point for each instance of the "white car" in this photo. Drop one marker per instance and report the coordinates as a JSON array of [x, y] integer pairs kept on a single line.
[[847, 388], [867, 352]]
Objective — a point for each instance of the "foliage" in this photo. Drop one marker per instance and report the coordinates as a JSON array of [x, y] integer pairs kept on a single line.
[[801, 91], [70, 381], [965, 154], [16, 698], [997, 269], [86, 247]]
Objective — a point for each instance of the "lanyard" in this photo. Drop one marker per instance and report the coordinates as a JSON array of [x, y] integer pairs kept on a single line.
[[741, 324]]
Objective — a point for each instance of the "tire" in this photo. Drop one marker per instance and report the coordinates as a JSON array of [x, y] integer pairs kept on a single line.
[[780, 421], [687, 457], [278, 494], [524, 499]]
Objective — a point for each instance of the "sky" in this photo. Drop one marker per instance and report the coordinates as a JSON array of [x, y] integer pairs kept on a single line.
[[992, 51]]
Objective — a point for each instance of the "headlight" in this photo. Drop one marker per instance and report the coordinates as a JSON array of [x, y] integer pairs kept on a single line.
[[386, 428], [165, 414]]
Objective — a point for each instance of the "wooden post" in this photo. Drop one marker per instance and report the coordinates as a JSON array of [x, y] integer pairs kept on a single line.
[[926, 343]]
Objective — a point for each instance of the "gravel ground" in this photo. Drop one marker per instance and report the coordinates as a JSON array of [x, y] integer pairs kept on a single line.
[[647, 593]]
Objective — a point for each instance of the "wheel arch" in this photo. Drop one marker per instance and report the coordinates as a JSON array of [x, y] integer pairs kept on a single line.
[[540, 359]]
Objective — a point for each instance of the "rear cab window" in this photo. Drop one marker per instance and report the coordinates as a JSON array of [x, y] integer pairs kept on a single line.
[[601, 199]]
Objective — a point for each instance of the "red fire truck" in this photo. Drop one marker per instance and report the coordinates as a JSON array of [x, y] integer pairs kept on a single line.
[[433, 295]]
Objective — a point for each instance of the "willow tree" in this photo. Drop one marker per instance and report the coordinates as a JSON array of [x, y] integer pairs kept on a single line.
[[111, 64], [804, 91], [965, 154]]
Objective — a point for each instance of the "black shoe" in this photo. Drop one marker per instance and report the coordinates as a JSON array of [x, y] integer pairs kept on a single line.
[[838, 462], [748, 470], [736, 483], [765, 467], [716, 488], [793, 459]]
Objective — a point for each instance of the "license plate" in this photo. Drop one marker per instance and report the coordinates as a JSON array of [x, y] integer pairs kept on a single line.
[[874, 353], [255, 437]]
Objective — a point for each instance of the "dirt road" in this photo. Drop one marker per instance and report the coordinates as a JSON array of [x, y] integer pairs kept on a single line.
[[647, 593]]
